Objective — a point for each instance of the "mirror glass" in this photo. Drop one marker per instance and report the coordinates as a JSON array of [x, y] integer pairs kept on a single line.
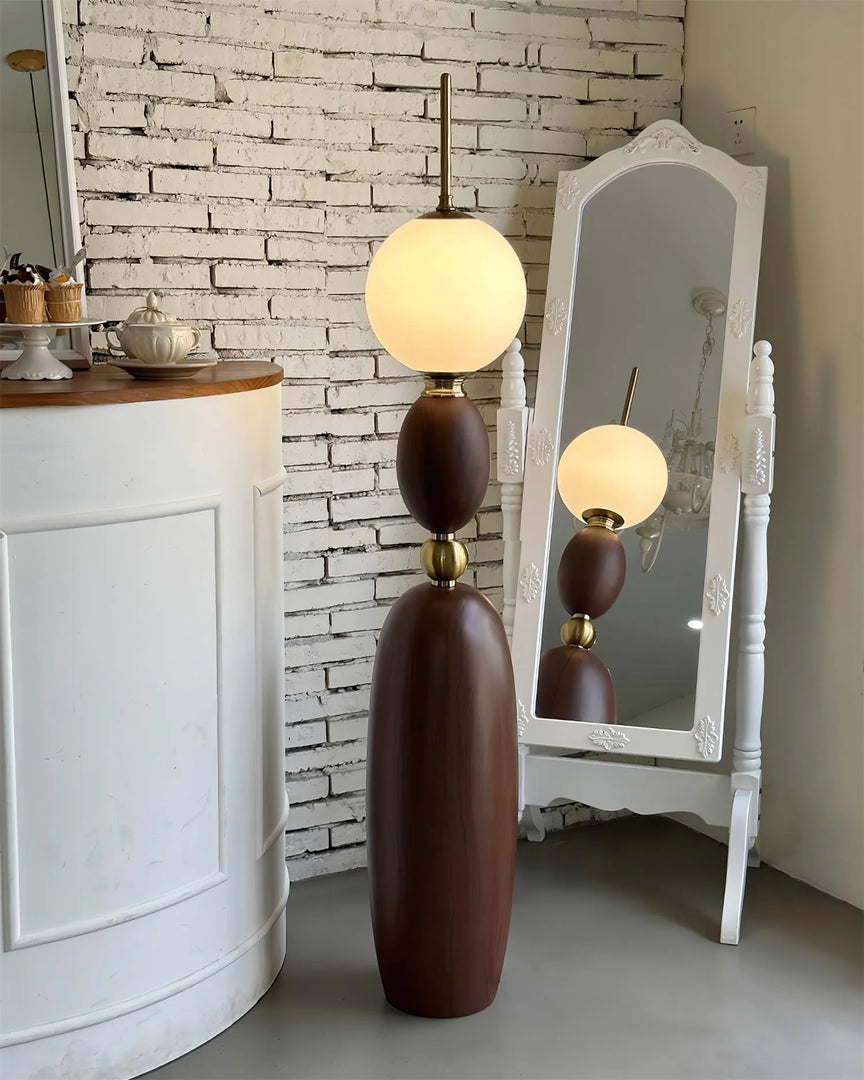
[[650, 240], [30, 219]]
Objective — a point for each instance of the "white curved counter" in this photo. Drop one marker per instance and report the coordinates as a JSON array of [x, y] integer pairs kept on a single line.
[[143, 799]]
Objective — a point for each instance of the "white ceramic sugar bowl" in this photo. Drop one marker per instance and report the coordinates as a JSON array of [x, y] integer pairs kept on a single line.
[[152, 336]]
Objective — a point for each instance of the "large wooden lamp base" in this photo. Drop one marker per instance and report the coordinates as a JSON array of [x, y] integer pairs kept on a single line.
[[442, 768], [442, 801]]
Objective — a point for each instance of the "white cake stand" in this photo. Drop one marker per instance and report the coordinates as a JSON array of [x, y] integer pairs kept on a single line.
[[36, 360]]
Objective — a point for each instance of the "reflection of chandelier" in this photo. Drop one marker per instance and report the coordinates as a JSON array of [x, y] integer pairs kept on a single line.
[[689, 455]]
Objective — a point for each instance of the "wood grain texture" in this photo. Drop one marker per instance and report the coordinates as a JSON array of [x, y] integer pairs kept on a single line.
[[442, 462], [442, 801], [108, 385], [592, 571], [573, 684]]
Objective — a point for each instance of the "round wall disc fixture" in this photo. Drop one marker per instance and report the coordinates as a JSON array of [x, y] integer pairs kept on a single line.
[[710, 303], [26, 60]]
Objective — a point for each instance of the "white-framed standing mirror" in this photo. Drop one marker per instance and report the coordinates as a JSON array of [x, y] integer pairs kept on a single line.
[[655, 263], [38, 193]]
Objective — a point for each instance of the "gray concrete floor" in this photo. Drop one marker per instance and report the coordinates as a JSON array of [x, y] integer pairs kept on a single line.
[[613, 970]]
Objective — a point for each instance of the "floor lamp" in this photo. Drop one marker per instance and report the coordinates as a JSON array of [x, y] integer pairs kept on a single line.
[[445, 296]]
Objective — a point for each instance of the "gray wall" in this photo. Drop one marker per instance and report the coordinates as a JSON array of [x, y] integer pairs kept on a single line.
[[800, 64]]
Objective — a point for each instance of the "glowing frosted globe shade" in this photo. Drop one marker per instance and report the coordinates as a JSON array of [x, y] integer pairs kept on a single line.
[[445, 294], [613, 468]]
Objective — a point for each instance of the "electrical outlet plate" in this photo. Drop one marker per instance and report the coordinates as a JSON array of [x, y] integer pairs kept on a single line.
[[741, 132]]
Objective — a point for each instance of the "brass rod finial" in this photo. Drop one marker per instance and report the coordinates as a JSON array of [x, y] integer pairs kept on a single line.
[[445, 198], [628, 400]]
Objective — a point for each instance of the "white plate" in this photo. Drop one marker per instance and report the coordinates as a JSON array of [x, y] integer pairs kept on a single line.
[[139, 370]]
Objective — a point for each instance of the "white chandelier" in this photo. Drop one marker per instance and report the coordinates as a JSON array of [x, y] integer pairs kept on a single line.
[[689, 455]]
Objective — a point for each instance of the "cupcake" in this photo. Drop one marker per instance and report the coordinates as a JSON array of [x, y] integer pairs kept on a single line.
[[63, 299], [24, 292]]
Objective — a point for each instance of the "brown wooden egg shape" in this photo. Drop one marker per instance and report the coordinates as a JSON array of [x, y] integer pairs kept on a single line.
[[592, 571], [442, 462]]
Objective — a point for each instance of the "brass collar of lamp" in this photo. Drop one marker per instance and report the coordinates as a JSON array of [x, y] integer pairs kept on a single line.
[[440, 384]]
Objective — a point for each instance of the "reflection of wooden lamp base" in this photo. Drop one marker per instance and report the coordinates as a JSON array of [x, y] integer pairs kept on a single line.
[[572, 683]]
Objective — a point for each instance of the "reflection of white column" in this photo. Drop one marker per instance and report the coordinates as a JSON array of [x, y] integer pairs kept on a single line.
[[512, 426]]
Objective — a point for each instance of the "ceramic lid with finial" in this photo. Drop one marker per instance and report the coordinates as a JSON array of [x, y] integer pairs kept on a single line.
[[151, 314]]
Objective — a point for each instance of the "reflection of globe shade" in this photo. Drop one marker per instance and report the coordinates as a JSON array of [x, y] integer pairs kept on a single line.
[[613, 468], [445, 294]]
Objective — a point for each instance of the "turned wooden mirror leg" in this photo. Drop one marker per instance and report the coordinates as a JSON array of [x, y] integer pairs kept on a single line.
[[757, 481]]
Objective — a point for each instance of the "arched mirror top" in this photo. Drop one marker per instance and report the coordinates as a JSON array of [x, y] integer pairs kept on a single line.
[[663, 142]]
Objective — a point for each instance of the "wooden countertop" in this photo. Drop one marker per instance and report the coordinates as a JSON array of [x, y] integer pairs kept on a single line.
[[105, 384]]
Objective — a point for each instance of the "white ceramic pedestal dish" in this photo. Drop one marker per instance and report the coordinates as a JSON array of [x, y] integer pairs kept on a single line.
[[36, 360]]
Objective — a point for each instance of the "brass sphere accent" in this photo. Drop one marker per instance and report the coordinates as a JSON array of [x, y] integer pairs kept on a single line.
[[444, 559], [579, 630]]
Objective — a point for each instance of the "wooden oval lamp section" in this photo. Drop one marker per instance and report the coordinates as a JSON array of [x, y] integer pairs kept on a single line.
[[442, 462], [441, 801]]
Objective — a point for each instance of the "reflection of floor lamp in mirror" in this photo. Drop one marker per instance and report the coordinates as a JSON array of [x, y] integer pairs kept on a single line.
[[445, 296], [610, 477], [28, 61]]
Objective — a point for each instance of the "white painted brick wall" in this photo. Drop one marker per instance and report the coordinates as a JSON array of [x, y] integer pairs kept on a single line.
[[247, 158]]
